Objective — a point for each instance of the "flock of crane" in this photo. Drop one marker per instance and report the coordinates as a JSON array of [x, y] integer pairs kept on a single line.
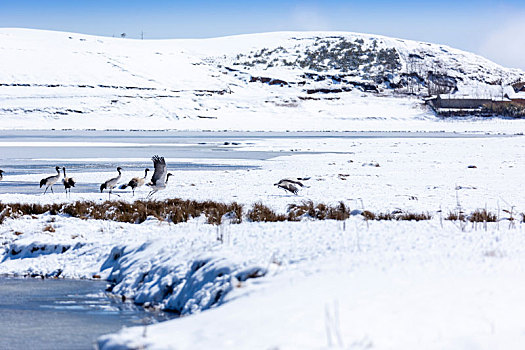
[[158, 181]]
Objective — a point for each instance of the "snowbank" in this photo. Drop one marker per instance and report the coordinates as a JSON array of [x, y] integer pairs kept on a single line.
[[309, 284]]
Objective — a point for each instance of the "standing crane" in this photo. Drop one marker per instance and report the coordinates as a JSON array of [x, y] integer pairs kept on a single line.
[[51, 180], [111, 183], [68, 182], [136, 182]]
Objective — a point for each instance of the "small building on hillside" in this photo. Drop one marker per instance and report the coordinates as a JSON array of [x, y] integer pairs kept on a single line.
[[458, 106], [519, 87], [517, 95], [508, 100], [459, 102]]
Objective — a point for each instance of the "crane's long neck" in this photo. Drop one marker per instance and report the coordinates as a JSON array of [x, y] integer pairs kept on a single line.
[[64, 169], [119, 174], [145, 174]]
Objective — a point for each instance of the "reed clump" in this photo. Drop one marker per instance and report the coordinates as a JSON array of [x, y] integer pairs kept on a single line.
[[178, 210], [261, 213], [172, 210], [397, 216], [478, 215], [482, 215], [319, 211]]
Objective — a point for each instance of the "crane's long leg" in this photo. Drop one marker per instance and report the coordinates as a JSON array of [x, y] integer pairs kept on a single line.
[[52, 189], [46, 189]]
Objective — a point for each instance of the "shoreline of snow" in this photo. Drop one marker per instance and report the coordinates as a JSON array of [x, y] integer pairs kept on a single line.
[[262, 272], [414, 174]]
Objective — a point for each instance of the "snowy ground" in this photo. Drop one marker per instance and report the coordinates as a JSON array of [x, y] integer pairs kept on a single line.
[[419, 173], [310, 284], [89, 82], [326, 284]]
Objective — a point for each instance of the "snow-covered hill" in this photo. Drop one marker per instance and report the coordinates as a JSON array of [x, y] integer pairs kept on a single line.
[[271, 81]]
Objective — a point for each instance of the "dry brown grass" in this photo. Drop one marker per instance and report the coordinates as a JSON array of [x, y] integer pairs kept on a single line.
[[260, 212], [48, 228], [456, 216], [479, 215], [173, 210], [482, 215], [179, 210], [318, 211], [398, 216], [413, 216]]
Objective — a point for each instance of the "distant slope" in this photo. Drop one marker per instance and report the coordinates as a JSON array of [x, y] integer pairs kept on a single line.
[[270, 81], [386, 63]]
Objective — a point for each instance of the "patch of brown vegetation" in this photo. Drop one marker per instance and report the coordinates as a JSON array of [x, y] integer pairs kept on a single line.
[[456, 216], [178, 210], [318, 211], [48, 228], [479, 215], [482, 215], [260, 212], [173, 210], [397, 216]]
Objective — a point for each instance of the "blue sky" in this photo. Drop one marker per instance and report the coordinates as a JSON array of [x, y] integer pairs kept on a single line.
[[488, 27]]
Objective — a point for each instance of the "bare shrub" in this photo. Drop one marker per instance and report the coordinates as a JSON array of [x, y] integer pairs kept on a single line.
[[368, 215], [385, 216], [479, 215], [482, 215], [174, 210], [260, 212], [456, 216], [507, 109], [413, 216], [318, 211], [398, 216], [339, 212]]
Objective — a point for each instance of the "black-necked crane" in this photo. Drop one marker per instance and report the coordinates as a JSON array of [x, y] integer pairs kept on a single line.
[[160, 177], [290, 185], [68, 182], [1, 174], [111, 183], [51, 180], [136, 182]]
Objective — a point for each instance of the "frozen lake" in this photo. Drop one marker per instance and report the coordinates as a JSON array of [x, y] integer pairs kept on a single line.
[[26, 152], [62, 314], [38, 152]]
